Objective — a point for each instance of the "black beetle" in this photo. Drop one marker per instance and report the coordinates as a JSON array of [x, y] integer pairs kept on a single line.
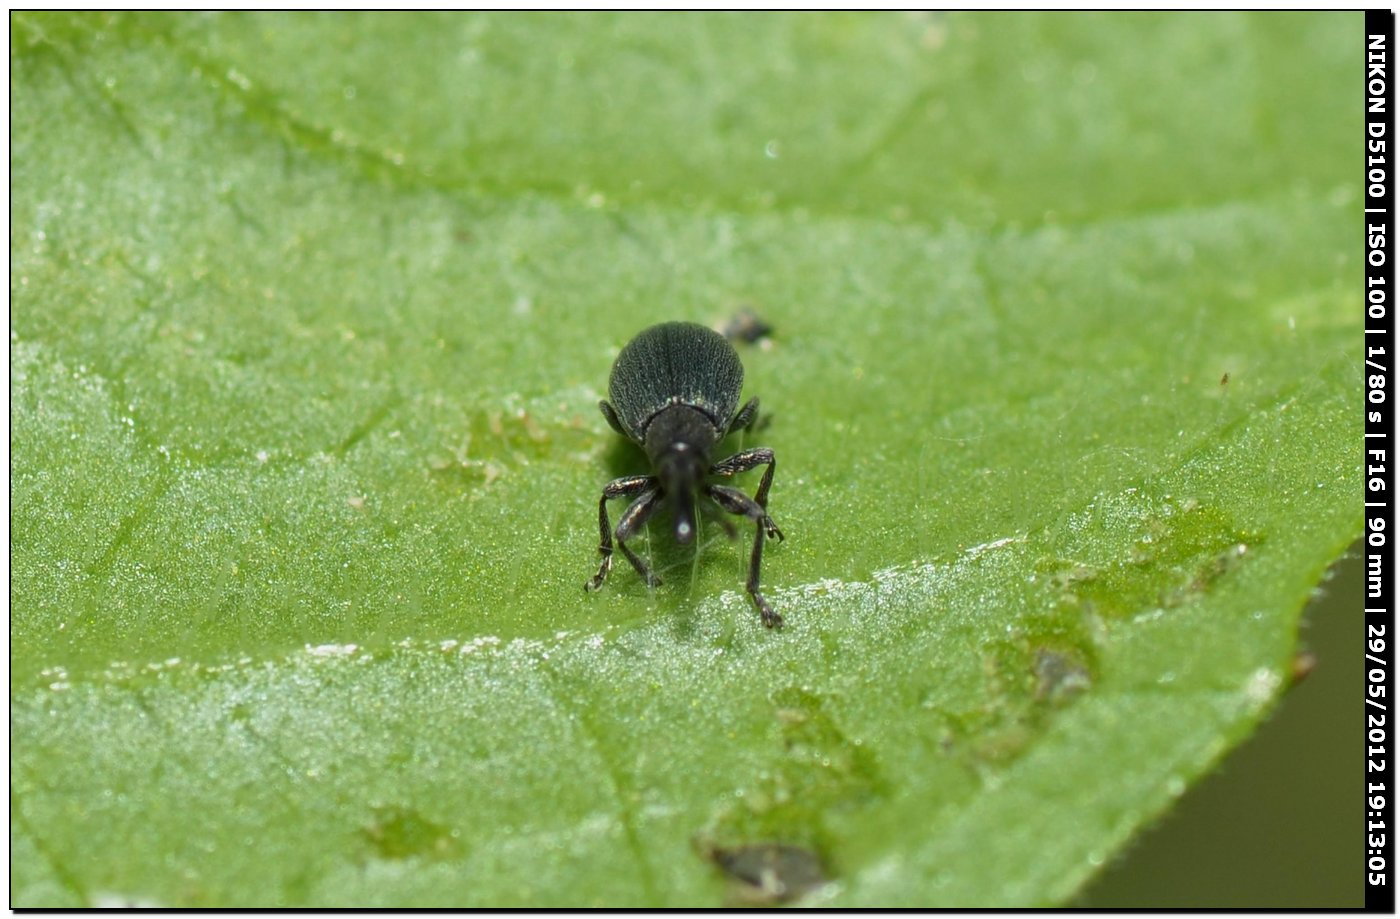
[[674, 389]]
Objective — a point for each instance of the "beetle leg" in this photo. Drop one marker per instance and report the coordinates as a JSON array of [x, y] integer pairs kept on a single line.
[[632, 520], [736, 502], [743, 462], [744, 421], [610, 414], [730, 530], [617, 488]]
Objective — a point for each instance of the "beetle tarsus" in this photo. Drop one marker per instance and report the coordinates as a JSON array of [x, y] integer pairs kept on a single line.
[[597, 580], [770, 617]]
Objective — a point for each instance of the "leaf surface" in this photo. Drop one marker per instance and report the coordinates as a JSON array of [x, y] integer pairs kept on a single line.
[[311, 317]]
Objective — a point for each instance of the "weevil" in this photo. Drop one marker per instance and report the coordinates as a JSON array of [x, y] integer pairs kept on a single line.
[[674, 390]]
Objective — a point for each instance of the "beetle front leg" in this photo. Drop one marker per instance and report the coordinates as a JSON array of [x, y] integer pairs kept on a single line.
[[617, 488], [632, 520], [745, 460], [736, 502]]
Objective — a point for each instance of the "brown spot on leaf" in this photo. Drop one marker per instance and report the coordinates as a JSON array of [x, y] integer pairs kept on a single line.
[[770, 872]]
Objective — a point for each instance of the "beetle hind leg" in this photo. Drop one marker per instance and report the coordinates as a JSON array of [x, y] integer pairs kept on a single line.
[[745, 418]]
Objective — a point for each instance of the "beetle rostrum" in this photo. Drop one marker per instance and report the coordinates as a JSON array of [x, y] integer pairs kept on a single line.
[[674, 390]]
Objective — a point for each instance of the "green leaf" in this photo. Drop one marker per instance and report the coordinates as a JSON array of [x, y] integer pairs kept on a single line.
[[311, 316]]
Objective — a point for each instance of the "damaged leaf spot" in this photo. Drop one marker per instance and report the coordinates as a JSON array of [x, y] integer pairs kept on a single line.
[[398, 833], [1180, 547], [1060, 675], [770, 872], [819, 780]]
